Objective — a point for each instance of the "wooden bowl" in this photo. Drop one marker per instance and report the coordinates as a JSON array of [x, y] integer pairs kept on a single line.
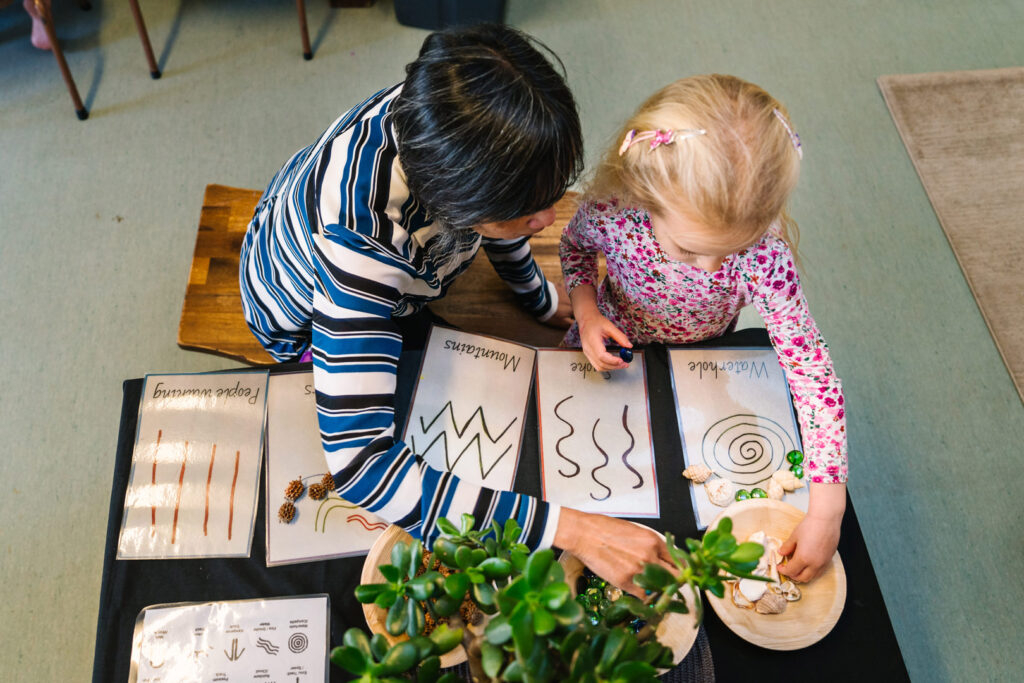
[[380, 553], [677, 631], [805, 621]]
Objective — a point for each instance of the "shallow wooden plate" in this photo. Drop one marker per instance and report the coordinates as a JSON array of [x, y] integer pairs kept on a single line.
[[677, 631], [805, 621], [380, 553]]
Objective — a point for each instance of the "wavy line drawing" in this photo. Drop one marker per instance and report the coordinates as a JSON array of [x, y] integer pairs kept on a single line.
[[209, 478], [632, 442], [558, 444], [443, 436], [366, 524], [267, 646], [177, 500], [593, 472], [337, 503]]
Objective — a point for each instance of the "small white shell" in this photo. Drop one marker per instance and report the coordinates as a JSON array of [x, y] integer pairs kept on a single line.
[[752, 590], [738, 599], [720, 491], [697, 473], [775, 490], [788, 480], [790, 591]]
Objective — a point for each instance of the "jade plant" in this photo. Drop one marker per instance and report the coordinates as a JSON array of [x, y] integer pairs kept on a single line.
[[535, 630]]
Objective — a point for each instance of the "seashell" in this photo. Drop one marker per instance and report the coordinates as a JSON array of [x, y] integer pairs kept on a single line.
[[720, 491], [775, 490], [790, 591], [697, 473], [771, 603], [738, 599], [788, 480], [752, 590]]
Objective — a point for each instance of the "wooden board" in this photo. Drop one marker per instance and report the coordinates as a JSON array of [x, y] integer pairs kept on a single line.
[[805, 621], [963, 132], [211, 316]]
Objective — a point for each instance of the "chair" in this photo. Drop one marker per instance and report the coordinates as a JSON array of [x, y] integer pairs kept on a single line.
[[211, 315]]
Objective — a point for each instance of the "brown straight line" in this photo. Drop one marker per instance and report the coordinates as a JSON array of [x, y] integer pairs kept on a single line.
[[152, 508], [231, 506], [209, 476], [177, 500]]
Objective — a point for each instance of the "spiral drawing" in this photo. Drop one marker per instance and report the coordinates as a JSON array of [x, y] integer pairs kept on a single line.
[[745, 448]]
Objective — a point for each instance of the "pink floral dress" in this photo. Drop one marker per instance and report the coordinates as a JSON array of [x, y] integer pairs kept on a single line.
[[653, 298]]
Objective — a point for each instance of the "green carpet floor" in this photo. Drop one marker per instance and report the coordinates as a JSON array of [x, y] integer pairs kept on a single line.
[[98, 220]]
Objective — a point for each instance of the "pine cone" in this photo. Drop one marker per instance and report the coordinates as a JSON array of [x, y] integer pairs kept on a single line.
[[294, 489], [286, 513], [317, 491], [328, 482]]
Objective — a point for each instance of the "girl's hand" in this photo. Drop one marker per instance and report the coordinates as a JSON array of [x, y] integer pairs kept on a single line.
[[595, 330], [614, 549], [815, 538]]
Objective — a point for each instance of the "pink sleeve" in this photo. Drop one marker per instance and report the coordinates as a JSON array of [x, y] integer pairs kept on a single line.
[[578, 249], [774, 289]]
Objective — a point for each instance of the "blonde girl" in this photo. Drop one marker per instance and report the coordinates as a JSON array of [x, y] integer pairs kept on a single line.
[[688, 207]]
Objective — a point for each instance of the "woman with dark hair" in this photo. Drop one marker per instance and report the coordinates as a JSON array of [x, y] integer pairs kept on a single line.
[[357, 232]]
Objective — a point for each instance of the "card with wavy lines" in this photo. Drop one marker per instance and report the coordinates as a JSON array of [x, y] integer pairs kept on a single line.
[[323, 525], [595, 435], [736, 417]]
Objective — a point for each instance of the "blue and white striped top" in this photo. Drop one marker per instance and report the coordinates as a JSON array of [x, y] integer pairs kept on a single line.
[[336, 248]]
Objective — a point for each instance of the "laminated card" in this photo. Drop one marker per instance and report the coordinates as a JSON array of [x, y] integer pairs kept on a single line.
[[196, 467], [595, 435], [323, 525], [736, 417], [275, 639], [469, 404]]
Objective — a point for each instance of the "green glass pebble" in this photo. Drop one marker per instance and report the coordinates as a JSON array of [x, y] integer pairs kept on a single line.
[[795, 457], [797, 471], [758, 493], [743, 494]]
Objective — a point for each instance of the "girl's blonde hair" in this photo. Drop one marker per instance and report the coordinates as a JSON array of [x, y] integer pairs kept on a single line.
[[736, 177]]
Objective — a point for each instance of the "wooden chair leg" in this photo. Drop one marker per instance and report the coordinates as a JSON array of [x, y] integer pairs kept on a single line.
[[307, 51], [140, 26], [44, 11]]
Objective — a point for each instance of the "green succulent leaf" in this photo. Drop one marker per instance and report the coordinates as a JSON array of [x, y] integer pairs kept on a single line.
[[444, 549], [447, 527], [555, 594], [468, 522], [522, 630], [420, 588], [400, 555], [495, 568], [391, 573], [386, 598], [569, 613], [429, 670], [491, 657], [397, 617], [464, 557], [543, 622], [513, 673], [350, 659], [537, 566], [518, 559], [445, 606], [368, 592], [725, 526], [399, 659], [613, 648], [414, 560], [627, 672], [446, 638], [424, 646], [747, 552], [379, 646], [498, 631], [483, 594], [456, 585], [416, 620], [355, 637], [678, 607]]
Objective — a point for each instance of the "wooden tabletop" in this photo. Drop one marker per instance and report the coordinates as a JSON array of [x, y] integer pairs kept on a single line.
[[211, 316]]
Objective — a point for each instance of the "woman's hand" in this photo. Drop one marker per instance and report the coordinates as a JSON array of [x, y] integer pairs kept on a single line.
[[595, 330], [614, 549], [814, 540]]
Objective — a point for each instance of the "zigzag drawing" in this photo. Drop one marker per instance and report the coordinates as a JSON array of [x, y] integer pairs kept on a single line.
[[442, 438]]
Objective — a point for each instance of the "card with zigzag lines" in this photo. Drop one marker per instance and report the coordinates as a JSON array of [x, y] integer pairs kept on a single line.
[[468, 407]]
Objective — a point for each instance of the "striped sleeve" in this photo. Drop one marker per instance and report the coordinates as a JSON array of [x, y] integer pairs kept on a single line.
[[514, 263], [356, 347]]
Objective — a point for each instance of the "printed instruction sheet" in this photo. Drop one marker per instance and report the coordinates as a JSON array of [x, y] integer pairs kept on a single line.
[[736, 417], [196, 465], [275, 639], [595, 435], [469, 404], [324, 524]]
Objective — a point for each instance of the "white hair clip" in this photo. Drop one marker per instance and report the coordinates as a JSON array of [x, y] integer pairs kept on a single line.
[[793, 137], [659, 137]]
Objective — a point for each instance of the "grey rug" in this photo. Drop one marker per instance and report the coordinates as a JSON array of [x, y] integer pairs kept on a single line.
[[964, 131]]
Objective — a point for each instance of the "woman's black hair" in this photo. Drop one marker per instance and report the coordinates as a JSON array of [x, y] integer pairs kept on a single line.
[[487, 129]]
